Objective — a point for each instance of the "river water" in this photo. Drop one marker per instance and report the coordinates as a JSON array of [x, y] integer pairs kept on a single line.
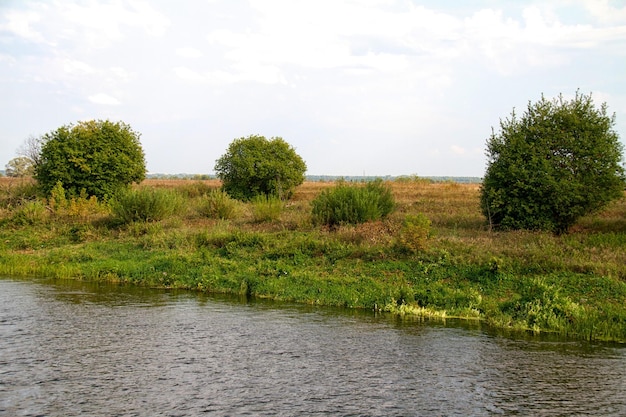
[[78, 349]]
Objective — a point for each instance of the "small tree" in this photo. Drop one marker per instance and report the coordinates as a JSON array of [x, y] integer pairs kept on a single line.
[[255, 166], [99, 157], [19, 167], [557, 163]]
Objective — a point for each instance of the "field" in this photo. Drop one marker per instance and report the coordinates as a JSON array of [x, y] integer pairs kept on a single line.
[[573, 284]]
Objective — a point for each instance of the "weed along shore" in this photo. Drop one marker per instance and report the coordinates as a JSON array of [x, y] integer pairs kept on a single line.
[[573, 284]]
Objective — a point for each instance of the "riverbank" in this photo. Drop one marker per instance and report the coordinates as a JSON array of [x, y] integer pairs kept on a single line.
[[573, 284]]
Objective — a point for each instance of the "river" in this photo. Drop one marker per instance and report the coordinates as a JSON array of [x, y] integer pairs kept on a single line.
[[77, 349]]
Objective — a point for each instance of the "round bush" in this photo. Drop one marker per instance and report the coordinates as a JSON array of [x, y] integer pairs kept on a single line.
[[555, 164], [99, 157], [257, 166]]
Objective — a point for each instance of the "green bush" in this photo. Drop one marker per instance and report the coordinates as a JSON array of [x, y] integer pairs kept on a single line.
[[144, 204], [555, 164], [412, 237], [266, 208], [29, 213], [99, 157], [80, 206], [352, 204], [217, 204], [257, 166]]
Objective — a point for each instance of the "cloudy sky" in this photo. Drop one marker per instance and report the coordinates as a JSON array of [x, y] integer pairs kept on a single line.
[[358, 87]]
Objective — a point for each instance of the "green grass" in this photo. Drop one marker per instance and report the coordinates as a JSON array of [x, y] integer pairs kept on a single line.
[[574, 284]]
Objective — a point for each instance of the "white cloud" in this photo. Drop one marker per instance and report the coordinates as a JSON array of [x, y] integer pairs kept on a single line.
[[75, 67], [104, 99], [100, 24], [20, 23], [188, 74], [605, 12], [121, 74], [189, 52]]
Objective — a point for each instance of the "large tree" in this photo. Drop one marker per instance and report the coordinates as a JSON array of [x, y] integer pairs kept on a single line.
[[254, 166], [555, 164], [99, 157]]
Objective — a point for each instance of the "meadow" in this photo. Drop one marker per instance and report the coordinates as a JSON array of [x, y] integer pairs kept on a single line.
[[573, 284]]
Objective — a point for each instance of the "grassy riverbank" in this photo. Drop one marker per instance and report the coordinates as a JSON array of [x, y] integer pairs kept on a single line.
[[573, 284]]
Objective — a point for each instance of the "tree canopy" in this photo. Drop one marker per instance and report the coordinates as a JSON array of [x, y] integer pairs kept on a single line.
[[555, 164], [254, 166], [20, 166], [98, 157]]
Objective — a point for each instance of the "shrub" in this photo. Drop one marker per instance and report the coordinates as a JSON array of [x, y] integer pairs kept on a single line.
[[352, 204], [218, 205], [29, 213], [144, 204], [256, 166], [555, 164], [266, 208], [99, 157], [79, 206], [412, 237]]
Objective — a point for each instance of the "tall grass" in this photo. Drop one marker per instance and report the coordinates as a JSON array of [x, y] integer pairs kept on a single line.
[[352, 204], [217, 204], [145, 204], [267, 208]]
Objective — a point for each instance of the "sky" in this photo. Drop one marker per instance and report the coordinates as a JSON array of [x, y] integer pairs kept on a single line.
[[357, 87]]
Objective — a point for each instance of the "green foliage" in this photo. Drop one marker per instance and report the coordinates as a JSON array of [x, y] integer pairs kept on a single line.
[[57, 200], [29, 213], [542, 306], [217, 204], [81, 206], [255, 166], [267, 208], [352, 204], [557, 163], [144, 204], [412, 237], [99, 157], [21, 166]]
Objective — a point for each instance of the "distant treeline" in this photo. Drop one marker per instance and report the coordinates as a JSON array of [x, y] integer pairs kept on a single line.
[[322, 178]]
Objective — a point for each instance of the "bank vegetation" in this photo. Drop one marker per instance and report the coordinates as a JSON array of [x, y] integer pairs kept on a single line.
[[433, 255]]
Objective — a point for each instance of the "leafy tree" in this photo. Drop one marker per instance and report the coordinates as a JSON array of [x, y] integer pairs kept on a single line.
[[19, 167], [255, 166], [555, 164], [99, 157]]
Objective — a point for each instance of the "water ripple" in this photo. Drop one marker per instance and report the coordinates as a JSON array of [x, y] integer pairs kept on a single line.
[[76, 349]]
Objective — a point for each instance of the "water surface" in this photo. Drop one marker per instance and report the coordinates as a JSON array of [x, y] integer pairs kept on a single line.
[[78, 349]]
